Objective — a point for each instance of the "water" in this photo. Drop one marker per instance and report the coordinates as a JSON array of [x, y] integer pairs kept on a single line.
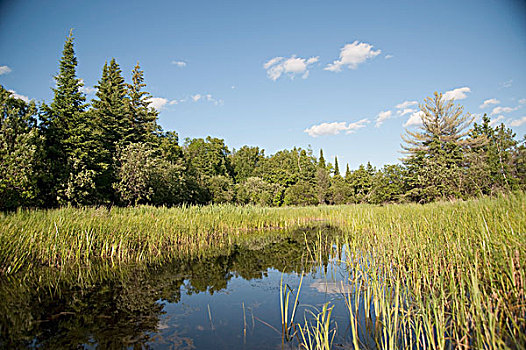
[[224, 301]]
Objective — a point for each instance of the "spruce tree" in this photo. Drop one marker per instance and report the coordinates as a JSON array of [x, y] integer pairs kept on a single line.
[[68, 137], [143, 118], [111, 113]]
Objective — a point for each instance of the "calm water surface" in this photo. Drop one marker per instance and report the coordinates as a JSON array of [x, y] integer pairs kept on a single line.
[[229, 300]]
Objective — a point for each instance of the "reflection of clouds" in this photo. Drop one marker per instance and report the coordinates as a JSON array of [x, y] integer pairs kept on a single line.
[[332, 287]]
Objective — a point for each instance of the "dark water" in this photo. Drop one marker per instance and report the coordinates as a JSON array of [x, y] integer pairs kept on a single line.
[[229, 300]]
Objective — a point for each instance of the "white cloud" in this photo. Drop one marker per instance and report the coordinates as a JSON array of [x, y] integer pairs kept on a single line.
[[351, 55], [4, 70], [292, 66], [518, 122], [456, 94], [215, 101], [497, 120], [87, 89], [157, 102], [522, 101], [406, 104], [414, 119], [388, 57], [506, 84], [487, 103], [498, 110], [20, 97], [405, 111], [335, 128], [323, 286], [179, 63], [382, 116]]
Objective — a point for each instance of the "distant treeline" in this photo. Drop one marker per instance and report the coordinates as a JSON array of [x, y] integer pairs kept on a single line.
[[112, 151]]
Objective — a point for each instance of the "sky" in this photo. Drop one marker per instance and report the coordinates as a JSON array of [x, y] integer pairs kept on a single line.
[[343, 76]]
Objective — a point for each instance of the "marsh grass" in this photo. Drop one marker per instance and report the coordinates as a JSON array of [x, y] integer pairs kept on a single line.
[[440, 276], [436, 276]]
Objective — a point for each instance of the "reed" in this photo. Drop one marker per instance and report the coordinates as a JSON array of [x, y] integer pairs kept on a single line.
[[435, 276]]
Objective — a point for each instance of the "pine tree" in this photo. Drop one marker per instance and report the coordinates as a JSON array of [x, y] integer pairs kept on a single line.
[[143, 117], [347, 173], [68, 134], [436, 151]]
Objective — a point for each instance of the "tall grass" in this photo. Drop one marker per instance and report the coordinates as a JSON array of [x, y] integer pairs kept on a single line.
[[67, 236], [442, 275]]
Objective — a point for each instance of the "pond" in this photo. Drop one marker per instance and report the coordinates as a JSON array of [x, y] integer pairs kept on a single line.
[[228, 300]]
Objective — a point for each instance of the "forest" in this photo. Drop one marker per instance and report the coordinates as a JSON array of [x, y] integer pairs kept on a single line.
[[112, 151]]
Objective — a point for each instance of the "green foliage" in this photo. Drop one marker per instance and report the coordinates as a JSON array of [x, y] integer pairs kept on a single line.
[[246, 161], [135, 164], [361, 183], [255, 190], [79, 155], [301, 193], [143, 118], [20, 145], [492, 163], [209, 157], [221, 189], [388, 184], [321, 160], [336, 167], [436, 152], [340, 191], [323, 182], [70, 145]]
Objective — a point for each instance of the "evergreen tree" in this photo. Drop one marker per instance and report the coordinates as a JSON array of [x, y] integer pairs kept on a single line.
[[436, 151], [323, 182], [111, 113], [336, 167], [143, 118], [321, 161], [68, 134], [347, 173]]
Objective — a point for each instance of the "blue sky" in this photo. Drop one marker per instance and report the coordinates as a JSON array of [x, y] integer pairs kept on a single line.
[[278, 74]]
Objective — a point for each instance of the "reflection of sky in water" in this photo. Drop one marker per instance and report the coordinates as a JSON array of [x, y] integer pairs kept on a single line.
[[217, 321], [224, 301]]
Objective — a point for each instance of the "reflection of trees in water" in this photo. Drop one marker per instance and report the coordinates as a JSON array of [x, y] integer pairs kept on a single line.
[[118, 308]]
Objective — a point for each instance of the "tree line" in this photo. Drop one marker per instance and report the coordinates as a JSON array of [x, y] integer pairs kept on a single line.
[[112, 151]]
